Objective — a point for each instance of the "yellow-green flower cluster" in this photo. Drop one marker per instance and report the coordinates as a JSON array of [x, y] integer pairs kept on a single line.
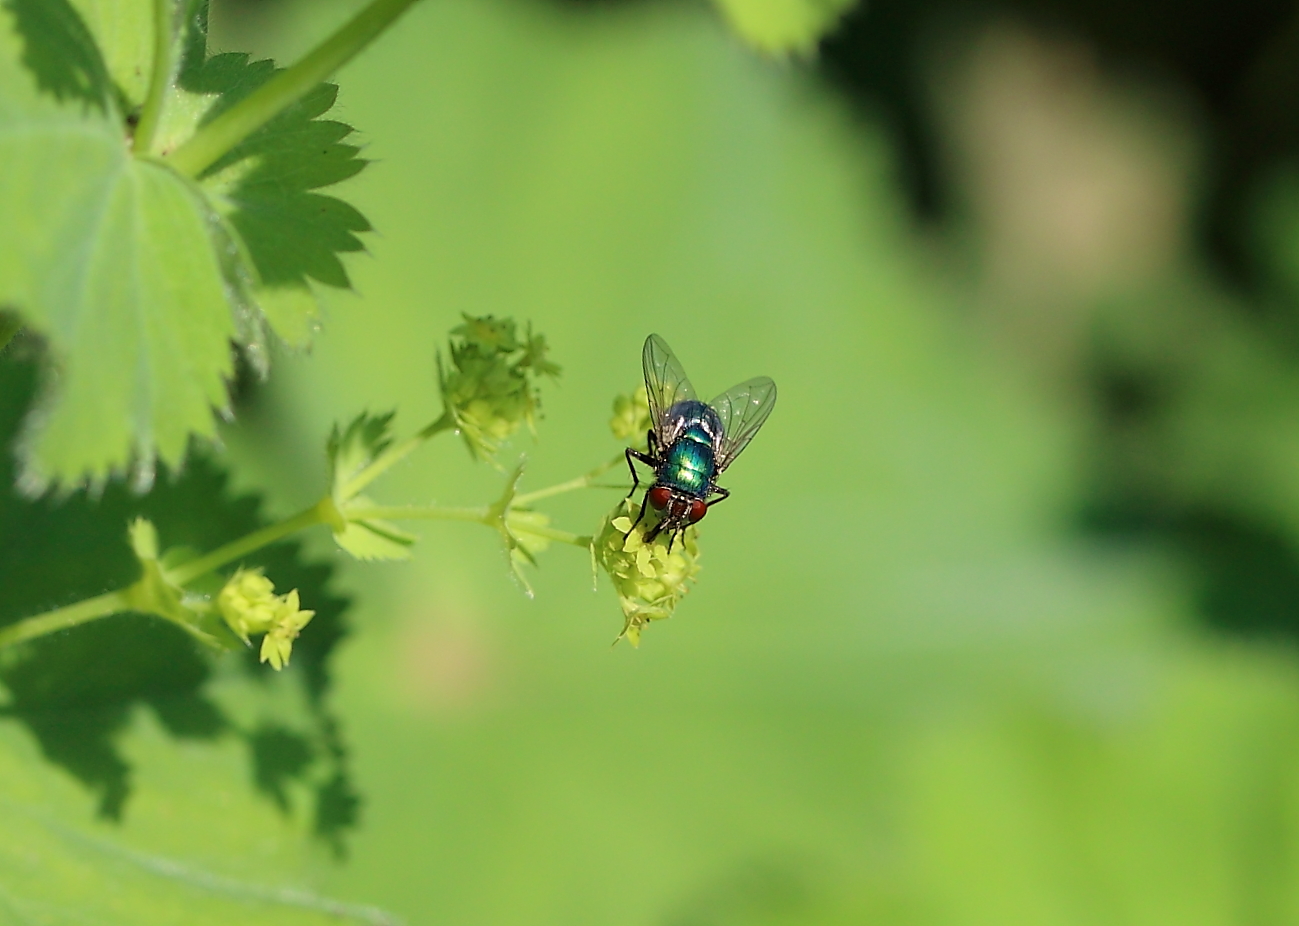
[[631, 418], [249, 605], [277, 645], [649, 580], [490, 386]]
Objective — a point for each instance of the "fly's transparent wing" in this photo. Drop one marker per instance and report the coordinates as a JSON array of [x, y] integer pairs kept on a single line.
[[742, 409], [667, 385]]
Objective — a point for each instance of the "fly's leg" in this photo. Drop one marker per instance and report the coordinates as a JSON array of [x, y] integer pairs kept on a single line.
[[635, 480], [643, 502], [654, 531], [723, 495], [649, 459]]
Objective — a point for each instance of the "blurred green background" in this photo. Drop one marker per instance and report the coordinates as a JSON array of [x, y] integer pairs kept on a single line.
[[947, 662], [998, 627]]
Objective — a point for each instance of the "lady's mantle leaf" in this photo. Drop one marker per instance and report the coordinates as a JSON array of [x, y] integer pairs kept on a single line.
[[111, 259], [123, 31], [139, 279], [290, 235], [76, 693], [60, 51], [238, 866]]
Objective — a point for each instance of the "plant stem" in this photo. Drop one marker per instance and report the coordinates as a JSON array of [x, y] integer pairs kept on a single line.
[[318, 513], [163, 21], [418, 513], [120, 600], [581, 482], [393, 455], [62, 618], [322, 512], [210, 143], [479, 515], [550, 533]]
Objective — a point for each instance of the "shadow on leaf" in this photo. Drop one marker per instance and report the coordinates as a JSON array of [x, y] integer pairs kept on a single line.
[[290, 233], [60, 52], [76, 691]]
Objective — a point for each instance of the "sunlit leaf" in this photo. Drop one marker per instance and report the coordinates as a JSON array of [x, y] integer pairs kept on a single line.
[[139, 279], [57, 868], [783, 27], [290, 235], [123, 30]]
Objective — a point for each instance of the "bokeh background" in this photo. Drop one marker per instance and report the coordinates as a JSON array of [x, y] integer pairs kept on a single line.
[[996, 627], [999, 625]]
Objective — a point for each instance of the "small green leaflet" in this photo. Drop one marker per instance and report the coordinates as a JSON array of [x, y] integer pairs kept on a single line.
[[350, 451], [139, 279]]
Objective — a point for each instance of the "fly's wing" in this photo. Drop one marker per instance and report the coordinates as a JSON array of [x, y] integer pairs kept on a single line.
[[742, 409], [667, 385]]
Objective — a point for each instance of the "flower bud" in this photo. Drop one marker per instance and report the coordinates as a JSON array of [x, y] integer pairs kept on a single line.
[[248, 603], [490, 385], [289, 620], [631, 419], [649, 580]]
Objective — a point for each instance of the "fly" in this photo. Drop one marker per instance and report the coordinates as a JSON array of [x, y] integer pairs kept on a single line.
[[691, 442]]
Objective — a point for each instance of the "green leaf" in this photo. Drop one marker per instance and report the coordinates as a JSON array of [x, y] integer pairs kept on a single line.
[[191, 860], [265, 187], [373, 539], [350, 451], [76, 692], [112, 260], [354, 448], [123, 32], [60, 52], [138, 278], [783, 27]]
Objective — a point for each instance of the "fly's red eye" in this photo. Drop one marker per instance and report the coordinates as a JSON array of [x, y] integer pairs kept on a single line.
[[697, 510], [659, 496]]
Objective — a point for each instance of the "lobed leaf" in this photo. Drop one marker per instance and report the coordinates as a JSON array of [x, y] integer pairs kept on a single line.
[[111, 259], [76, 692], [355, 447], [138, 278]]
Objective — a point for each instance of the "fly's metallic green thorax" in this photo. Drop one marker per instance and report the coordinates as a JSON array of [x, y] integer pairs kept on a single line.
[[690, 462]]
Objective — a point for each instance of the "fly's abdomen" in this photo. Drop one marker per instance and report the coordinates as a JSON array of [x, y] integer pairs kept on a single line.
[[689, 466]]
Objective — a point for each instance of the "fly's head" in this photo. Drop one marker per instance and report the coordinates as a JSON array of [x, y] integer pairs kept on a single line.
[[676, 510]]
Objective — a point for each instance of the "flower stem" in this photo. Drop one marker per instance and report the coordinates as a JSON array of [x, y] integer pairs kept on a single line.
[[62, 618], [121, 600], [163, 23], [393, 455], [318, 513], [418, 513], [581, 482], [223, 133], [550, 533]]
